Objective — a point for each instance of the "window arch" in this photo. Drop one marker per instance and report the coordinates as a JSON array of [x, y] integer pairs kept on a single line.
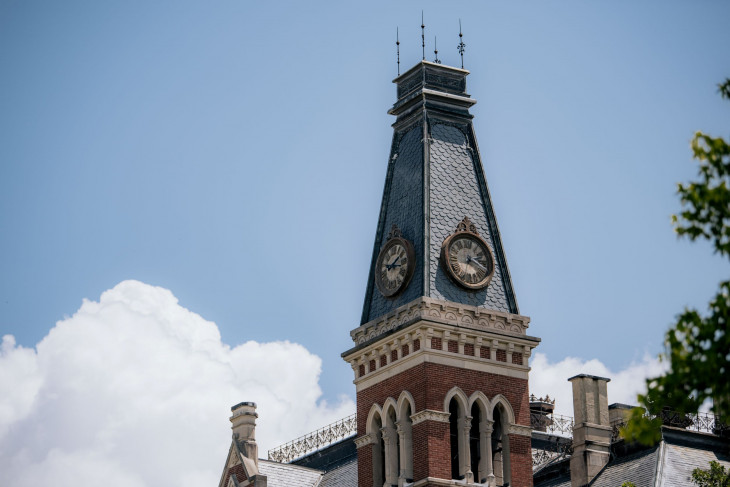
[[390, 440], [480, 442], [374, 428], [459, 425], [503, 417], [405, 437]]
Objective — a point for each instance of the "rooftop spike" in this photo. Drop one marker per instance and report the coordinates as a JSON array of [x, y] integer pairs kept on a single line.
[[461, 47], [423, 37], [397, 48], [436, 52]]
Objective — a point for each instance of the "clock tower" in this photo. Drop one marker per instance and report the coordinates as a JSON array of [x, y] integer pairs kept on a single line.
[[440, 356]]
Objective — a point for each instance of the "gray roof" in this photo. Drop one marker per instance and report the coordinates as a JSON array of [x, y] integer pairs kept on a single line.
[[430, 186], [639, 468], [288, 475], [343, 476], [679, 461]]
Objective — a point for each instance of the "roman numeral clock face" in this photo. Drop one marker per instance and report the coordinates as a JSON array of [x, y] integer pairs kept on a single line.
[[394, 267], [468, 260]]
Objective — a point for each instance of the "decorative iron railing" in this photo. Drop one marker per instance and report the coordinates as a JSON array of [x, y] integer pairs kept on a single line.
[[554, 424], [557, 445], [315, 440], [700, 422], [542, 457]]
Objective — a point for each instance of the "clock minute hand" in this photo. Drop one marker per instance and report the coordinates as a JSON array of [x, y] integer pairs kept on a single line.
[[476, 263]]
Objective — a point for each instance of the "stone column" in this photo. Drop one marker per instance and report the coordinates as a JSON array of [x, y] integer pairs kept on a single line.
[[464, 425], [405, 445], [485, 461], [390, 438]]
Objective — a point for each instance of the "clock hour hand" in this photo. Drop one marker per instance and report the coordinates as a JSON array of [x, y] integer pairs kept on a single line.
[[393, 264]]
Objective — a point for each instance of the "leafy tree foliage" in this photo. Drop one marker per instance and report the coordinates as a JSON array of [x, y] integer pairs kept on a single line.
[[716, 476], [697, 347]]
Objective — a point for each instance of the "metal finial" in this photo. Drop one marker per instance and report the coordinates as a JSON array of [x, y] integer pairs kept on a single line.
[[461, 47], [436, 52], [397, 48], [423, 37]]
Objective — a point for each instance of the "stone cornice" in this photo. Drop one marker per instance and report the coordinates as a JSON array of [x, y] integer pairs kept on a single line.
[[429, 415], [437, 311]]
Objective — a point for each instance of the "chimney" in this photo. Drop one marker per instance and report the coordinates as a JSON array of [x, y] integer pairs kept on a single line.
[[618, 414], [243, 424], [591, 428]]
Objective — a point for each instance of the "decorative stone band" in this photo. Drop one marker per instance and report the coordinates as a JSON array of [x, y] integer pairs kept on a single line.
[[518, 429], [441, 312], [429, 415], [505, 353], [364, 440]]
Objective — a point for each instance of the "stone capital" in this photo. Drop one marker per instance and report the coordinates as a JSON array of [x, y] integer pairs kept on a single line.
[[518, 429], [429, 415], [364, 440]]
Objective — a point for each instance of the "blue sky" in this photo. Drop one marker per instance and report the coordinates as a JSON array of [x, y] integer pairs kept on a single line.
[[234, 153]]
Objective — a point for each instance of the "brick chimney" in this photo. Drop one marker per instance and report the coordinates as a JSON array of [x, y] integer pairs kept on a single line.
[[591, 429]]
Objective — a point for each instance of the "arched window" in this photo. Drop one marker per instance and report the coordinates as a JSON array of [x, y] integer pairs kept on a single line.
[[500, 446], [375, 427], [454, 438], [475, 441], [390, 440], [405, 441]]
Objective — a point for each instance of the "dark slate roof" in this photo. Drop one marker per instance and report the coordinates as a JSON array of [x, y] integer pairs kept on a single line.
[[431, 185], [330, 457], [455, 193], [639, 468], [343, 476]]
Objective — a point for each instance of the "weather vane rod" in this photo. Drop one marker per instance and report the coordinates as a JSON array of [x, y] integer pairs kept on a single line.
[[461, 46], [397, 48], [436, 52], [423, 37]]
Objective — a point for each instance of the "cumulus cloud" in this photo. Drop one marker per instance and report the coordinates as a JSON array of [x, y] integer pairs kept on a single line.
[[551, 378], [135, 390]]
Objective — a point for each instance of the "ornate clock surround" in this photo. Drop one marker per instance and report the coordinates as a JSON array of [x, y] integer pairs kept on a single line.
[[391, 284], [482, 260]]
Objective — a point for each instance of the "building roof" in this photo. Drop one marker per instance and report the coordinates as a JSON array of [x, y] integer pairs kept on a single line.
[[288, 475], [668, 464], [343, 476]]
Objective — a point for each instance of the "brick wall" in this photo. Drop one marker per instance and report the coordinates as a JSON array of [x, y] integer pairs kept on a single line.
[[236, 470], [521, 460], [365, 466], [431, 450]]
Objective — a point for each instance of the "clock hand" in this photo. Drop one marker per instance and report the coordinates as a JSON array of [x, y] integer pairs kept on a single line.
[[393, 264], [476, 263]]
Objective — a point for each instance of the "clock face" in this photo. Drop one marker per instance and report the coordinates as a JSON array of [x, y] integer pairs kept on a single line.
[[468, 260], [394, 267]]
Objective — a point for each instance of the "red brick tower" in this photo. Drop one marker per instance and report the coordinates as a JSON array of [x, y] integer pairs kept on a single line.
[[440, 358]]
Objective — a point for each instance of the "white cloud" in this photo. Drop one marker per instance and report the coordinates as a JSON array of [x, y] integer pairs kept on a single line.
[[135, 390], [551, 379]]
